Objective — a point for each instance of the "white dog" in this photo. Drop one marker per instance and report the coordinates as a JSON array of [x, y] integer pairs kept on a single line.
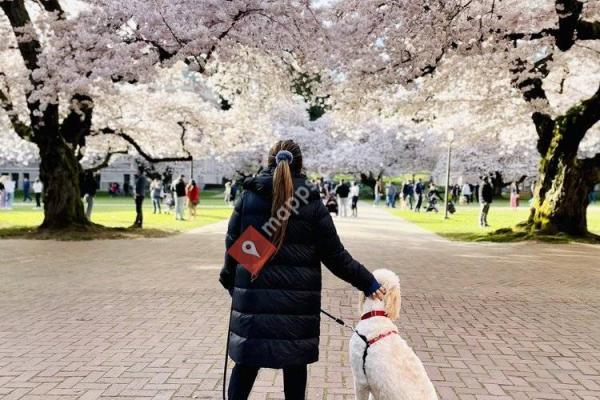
[[390, 370]]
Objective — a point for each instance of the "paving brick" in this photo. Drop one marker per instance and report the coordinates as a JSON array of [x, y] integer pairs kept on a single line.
[[123, 320]]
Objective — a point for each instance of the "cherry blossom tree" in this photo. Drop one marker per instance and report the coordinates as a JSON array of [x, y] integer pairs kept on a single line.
[[68, 56], [549, 49]]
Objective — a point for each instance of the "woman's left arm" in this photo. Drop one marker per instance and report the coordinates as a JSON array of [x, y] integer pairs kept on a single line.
[[227, 276]]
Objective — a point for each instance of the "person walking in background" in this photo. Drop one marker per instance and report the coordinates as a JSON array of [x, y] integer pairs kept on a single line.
[[1, 192], [466, 192], [455, 191], [392, 192], [514, 195], [419, 189], [179, 196], [26, 190], [192, 191], [410, 194], [342, 192], [275, 315], [88, 189], [227, 193], [486, 194], [354, 194], [138, 195], [9, 192], [38, 188], [532, 189], [156, 193], [377, 192], [233, 192], [406, 202]]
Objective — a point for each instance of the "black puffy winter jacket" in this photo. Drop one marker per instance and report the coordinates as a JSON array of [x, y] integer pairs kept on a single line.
[[275, 319]]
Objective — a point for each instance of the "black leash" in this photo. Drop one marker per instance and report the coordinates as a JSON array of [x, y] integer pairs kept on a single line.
[[363, 337], [227, 353]]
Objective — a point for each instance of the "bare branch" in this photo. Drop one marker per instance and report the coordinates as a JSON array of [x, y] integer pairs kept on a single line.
[[138, 148], [106, 161]]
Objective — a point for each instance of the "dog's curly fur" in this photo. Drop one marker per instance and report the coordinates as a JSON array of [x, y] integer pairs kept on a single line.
[[393, 370]]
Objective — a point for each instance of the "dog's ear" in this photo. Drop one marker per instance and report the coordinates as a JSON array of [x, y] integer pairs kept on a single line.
[[393, 302]]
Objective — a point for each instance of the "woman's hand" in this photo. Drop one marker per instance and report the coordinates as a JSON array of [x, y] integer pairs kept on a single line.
[[379, 294]]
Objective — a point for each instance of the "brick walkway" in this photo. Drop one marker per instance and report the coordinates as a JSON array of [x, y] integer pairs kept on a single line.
[[146, 319]]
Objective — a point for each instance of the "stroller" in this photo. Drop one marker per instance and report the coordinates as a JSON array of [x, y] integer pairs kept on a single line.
[[332, 204]]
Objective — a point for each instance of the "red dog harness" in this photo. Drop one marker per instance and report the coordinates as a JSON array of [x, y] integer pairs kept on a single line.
[[370, 342]]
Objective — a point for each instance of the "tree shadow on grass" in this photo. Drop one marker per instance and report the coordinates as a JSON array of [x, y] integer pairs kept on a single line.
[[521, 233], [93, 232]]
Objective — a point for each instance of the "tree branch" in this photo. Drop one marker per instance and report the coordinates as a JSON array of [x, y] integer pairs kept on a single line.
[[78, 123], [138, 148], [183, 124], [568, 12], [588, 30], [582, 117], [591, 169], [515, 36], [236, 18], [106, 161], [531, 86], [544, 125], [23, 130], [52, 6]]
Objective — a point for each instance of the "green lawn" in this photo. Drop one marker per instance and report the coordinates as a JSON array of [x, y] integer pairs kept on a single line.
[[120, 212], [463, 225]]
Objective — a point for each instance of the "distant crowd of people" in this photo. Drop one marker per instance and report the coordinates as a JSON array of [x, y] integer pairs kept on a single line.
[[177, 196], [8, 187], [337, 196], [413, 194]]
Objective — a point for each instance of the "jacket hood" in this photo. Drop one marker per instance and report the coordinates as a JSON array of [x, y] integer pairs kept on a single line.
[[262, 184]]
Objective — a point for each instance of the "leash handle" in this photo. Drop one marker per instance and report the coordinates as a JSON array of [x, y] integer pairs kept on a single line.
[[338, 320]]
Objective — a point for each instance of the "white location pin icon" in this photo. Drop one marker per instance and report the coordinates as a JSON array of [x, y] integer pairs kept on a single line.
[[248, 247]]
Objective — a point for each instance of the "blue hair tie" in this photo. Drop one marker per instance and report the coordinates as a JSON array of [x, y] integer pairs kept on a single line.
[[284, 155]]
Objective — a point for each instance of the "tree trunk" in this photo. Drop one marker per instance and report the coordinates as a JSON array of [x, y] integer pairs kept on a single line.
[[561, 195], [60, 172]]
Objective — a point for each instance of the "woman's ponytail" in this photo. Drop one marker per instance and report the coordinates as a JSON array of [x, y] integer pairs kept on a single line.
[[287, 158], [283, 192]]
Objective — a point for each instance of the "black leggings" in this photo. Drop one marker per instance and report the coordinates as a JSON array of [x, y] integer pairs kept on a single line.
[[242, 380]]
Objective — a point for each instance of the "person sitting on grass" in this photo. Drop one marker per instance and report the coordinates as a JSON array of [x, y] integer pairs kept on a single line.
[[432, 197]]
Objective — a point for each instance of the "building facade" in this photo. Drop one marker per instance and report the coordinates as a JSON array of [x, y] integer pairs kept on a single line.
[[205, 172]]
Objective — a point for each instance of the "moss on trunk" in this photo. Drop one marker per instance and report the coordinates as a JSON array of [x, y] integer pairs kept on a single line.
[[60, 172], [561, 196]]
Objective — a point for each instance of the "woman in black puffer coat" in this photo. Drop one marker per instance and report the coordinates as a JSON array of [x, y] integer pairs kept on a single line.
[[275, 318]]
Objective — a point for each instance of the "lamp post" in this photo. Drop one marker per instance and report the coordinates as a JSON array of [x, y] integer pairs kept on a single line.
[[450, 139]]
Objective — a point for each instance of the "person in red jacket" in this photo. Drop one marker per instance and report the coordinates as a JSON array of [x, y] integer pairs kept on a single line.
[[192, 192]]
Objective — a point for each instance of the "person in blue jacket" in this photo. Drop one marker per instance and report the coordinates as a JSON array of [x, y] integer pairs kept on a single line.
[[276, 315]]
